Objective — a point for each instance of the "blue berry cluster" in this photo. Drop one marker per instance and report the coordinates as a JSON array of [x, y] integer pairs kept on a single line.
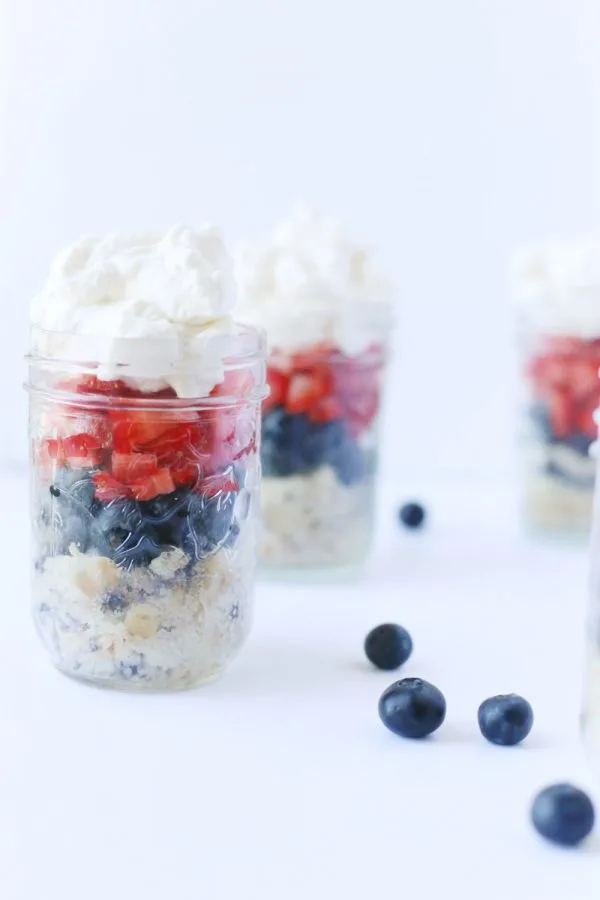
[[292, 444], [133, 533]]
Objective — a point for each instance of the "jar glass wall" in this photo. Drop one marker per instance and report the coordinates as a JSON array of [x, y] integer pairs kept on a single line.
[[143, 513]]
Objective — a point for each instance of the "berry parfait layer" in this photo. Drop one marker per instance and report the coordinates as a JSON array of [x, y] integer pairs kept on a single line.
[[144, 481], [328, 318], [557, 292], [319, 449], [563, 393]]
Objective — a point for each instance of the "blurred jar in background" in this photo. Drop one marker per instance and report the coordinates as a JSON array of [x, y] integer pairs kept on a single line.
[[328, 318], [557, 289]]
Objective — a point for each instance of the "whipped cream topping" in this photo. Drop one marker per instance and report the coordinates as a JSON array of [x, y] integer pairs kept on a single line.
[[153, 310], [557, 286], [311, 281]]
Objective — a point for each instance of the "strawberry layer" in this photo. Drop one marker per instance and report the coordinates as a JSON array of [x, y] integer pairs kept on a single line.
[[564, 381], [143, 453]]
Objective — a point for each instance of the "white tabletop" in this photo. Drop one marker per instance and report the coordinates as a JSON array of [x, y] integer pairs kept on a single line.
[[279, 781]]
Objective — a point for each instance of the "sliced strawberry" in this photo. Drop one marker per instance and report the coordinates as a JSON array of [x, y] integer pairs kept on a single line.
[[584, 422], [160, 482], [128, 467], [304, 392], [326, 410], [184, 472], [82, 451], [584, 378], [54, 449], [108, 488], [560, 410], [91, 384], [278, 388]]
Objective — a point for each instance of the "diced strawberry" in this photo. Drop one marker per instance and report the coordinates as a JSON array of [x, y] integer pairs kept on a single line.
[[560, 410], [317, 355], [82, 451], [584, 379], [148, 488], [128, 467], [326, 409], [304, 392], [191, 440], [54, 450], [278, 388], [108, 488]]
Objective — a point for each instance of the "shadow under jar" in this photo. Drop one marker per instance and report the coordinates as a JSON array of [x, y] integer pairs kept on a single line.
[[319, 458], [143, 510], [561, 394]]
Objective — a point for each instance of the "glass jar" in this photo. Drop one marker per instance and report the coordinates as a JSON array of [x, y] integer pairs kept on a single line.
[[560, 395], [319, 451], [143, 509]]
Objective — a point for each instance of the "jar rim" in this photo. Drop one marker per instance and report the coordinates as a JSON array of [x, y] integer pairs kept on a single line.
[[242, 348]]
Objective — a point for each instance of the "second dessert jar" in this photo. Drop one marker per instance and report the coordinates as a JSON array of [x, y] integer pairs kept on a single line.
[[557, 292], [328, 318]]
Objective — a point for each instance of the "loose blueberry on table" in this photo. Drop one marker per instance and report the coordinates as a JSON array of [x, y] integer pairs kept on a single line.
[[388, 646], [563, 814], [412, 515], [505, 719], [412, 708]]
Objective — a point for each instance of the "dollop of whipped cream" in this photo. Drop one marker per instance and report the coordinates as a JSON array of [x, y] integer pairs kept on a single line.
[[153, 310], [557, 286], [310, 281]]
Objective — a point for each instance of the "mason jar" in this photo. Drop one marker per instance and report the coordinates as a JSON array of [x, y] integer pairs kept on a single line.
[[560, 393], [143, 513], [320, 443]]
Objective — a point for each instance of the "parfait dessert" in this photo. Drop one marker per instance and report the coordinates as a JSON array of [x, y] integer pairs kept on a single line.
[[328, 316], [144, 425], [557, 288]]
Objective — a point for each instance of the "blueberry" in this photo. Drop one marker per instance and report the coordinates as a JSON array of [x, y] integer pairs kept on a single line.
[[114, 603], [388, 646], [563, 814], [163, 517], [506, 719], [70, 527], [208, 523], [349, 462], [541, 420], [412, 515], [122, 534], [323, 443], [283, 443], [77, 486], [412, 708]]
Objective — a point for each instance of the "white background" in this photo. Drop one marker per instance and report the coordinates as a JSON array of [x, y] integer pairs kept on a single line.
[[443, 133]]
